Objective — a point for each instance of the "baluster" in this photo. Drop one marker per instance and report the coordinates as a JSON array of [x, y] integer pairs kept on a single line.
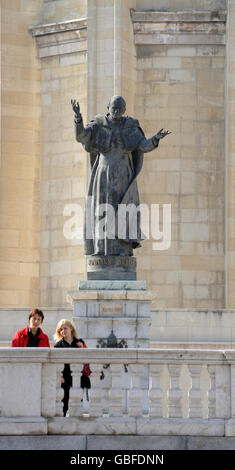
[[195, 393], [175, 393], [212, 392], [126, 384], [106, 384], [59, 390], [135, 393], [225, 387], [155, 392], [116, 391], [76, 392], [96, 391], [144, 385]]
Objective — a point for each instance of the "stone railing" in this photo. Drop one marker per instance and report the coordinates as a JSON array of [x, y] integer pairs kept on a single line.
[[133, 391]]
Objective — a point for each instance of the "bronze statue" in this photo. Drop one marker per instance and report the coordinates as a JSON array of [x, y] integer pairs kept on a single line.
[[116, 145]]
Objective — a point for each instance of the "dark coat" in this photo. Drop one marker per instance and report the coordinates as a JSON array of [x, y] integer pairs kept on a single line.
[[85, 381]]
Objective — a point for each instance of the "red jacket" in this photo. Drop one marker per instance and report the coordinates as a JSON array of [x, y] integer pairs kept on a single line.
[[20, 339]]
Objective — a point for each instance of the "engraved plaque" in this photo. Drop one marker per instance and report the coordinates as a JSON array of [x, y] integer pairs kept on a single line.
[[111, 309], [111, 268]]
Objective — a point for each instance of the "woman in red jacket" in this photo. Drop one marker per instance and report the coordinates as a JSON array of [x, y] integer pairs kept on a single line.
[[31, 335]]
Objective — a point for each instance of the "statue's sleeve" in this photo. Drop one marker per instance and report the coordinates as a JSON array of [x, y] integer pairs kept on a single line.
[[147, 145], [82, 134]]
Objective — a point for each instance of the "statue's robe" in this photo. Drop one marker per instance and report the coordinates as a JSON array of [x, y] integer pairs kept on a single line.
[[116, 156]]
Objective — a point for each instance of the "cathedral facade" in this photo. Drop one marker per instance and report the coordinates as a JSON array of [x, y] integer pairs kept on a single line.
[[173, 62]]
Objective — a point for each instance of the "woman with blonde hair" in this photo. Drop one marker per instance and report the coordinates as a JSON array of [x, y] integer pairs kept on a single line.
[[66, 337], [65, 329]]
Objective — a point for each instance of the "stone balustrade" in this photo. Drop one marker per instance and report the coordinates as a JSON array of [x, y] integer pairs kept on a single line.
[[133, 391]]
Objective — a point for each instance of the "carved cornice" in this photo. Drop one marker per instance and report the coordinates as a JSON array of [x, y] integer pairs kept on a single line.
[[61, 38], [182, 27]]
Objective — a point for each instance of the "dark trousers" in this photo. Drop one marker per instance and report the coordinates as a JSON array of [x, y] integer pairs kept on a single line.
[[65, 400]]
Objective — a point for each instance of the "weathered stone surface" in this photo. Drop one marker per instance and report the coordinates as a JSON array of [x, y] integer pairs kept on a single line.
[[100, 307], [28, 402], [23, 426], [70, 25], [210, 443], [43, 442], [112, 285], [160, 443], [179, 27], [230, 427], [89, 426], [105, 442], [194, 326], [180, 427], [135, 443]]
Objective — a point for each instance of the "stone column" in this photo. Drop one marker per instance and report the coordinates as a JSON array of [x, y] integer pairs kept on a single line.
[[111, 54], [230, 159]]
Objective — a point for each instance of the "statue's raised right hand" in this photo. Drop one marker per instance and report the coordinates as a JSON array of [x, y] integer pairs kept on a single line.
[[161, 134], [76, 108]]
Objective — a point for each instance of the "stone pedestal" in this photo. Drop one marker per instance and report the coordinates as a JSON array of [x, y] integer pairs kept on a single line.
[[117, 308]]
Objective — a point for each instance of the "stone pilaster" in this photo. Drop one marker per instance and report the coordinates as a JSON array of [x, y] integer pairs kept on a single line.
[[230, 159]]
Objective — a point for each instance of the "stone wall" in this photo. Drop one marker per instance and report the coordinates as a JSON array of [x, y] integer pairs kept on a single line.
[[118, 443], [181, 87], [20, 155], [63, 51], [172, 70], [181, 328], [177, 5]]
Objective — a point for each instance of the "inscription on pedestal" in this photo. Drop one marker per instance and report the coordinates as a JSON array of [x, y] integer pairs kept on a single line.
[[111, 268], [112, 261], [112, 309]]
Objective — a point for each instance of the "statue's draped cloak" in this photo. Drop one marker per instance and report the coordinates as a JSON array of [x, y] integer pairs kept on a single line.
[[112, 184]]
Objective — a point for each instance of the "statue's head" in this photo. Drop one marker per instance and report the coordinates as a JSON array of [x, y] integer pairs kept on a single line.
[[116, 107]]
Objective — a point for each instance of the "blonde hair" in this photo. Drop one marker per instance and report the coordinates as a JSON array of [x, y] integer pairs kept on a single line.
[[64, 321]]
